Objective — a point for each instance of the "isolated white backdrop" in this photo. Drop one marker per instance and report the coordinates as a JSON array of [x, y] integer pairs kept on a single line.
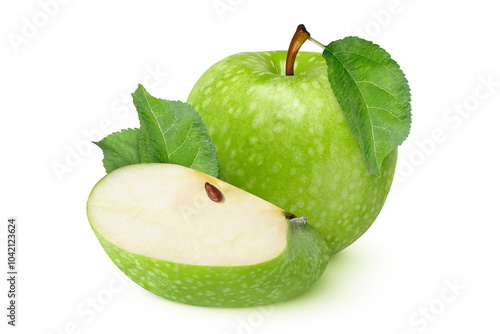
[[429, 264]]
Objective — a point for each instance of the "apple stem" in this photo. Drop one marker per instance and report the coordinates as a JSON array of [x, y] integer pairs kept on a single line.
[[317, 43], [301, 35], [297, 221]]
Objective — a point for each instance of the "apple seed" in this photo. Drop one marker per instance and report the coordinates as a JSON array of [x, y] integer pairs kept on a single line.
[[213, 193]]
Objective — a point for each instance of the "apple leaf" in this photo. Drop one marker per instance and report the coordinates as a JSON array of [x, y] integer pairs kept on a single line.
[[374, 95], [120, 149], [173, 132]]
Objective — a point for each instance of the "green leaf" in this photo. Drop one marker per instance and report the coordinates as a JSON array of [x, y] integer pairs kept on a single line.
[[120, 149], [173, 132], [374, 95]]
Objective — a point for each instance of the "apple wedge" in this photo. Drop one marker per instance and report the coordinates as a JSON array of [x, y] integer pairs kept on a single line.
[[192, 238]]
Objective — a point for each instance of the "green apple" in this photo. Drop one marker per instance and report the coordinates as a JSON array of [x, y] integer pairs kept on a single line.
[[191, 238], [285, 139]]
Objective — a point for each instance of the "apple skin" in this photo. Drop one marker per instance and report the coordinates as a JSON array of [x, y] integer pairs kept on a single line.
[[285, 139], [292, 272]]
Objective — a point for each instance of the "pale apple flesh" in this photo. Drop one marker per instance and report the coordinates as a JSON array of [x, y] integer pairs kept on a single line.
[[162, 229], [285, 139], [163, 211]]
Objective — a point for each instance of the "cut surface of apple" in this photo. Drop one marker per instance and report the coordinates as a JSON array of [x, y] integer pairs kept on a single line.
[[159, 225], [165, 213]]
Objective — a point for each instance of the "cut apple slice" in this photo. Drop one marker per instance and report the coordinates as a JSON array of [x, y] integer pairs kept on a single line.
[[192, 238]]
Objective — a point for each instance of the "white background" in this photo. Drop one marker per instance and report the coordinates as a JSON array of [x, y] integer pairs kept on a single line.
[[68, 83]]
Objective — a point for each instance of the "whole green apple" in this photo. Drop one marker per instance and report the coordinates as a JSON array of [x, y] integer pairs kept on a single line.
[[285, 139]]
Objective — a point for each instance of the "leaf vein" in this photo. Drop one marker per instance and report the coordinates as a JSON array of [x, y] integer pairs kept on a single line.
[[156, 119], [184, 141]]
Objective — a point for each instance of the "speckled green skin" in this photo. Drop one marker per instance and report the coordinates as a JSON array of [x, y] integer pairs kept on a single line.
[[293, 271], [286, 140]]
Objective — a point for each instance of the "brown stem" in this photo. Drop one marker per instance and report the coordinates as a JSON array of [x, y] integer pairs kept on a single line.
[[301, 35]]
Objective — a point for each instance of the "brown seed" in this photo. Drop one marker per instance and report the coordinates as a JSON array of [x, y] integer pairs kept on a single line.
[[213, 193]]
